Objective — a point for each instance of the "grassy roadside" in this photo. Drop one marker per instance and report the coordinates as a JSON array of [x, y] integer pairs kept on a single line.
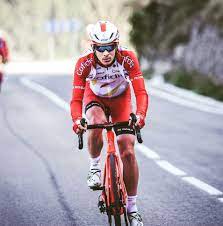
[[201, 84]]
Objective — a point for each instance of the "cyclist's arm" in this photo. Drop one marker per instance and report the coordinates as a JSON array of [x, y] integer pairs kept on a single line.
[[142, 98], [79, 82], [4, 52], [136, 77]]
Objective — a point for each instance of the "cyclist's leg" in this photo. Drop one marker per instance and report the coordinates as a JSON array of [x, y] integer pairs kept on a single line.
[[130, 166], [94, 110], [95, 114], [126, 140]]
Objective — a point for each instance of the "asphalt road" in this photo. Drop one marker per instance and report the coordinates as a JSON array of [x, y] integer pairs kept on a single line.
[[43, 175]]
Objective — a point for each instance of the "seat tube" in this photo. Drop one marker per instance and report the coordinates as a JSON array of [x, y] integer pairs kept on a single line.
[[111, 142]]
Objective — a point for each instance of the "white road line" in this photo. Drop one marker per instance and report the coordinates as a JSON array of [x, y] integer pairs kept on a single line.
[[170, 168], [140, 147], [185, 93], [46, 92], [203, 186], [185, 102], [147, 152]]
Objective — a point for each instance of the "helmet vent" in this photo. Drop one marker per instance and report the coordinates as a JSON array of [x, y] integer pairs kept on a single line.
[[111, 35]]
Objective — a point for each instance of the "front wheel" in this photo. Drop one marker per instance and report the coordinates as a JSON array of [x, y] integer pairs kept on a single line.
[[115, 191]]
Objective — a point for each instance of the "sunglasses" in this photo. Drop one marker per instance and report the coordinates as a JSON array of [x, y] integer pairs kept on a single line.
[[101, 49]]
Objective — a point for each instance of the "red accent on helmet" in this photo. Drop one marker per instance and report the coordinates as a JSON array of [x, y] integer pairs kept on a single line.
[[103, 32], [103, 27]]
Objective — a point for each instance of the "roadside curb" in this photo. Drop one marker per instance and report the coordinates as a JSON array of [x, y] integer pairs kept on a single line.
[[184, 97]]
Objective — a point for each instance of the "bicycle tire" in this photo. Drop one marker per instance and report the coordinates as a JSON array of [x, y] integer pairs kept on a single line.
[[117, 216]]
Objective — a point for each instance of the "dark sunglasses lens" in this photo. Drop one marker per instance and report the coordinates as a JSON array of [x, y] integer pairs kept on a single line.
[[103, 48]]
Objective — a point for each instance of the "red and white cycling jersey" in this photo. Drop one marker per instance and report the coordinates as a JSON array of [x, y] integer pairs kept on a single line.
[[108, 82], [4, 53]]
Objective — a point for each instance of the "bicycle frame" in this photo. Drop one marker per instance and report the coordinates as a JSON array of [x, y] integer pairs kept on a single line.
[[107, 194], [114, 194]]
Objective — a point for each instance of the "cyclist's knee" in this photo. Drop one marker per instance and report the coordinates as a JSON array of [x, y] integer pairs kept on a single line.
[[128, 155], [96, 120], [96, 115], [96, 135], [126, 146]]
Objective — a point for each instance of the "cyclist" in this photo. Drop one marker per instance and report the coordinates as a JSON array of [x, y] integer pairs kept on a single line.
[[101, 82], [3, 56]]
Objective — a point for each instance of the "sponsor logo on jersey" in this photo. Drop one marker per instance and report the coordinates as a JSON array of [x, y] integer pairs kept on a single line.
[[137, 77], [115, 71], [129, 61], [100, 72], [105, 77], [79, 87], [83, 65]]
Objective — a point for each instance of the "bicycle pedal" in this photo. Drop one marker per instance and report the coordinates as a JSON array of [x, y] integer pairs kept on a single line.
[[101, 206]]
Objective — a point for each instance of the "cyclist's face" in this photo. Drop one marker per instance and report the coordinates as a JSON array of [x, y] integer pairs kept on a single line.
[[105, 53]]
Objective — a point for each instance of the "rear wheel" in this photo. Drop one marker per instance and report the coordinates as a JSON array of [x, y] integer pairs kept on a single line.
[[117, 207]]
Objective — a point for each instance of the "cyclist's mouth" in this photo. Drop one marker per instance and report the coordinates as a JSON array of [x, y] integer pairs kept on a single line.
[[106, 60]]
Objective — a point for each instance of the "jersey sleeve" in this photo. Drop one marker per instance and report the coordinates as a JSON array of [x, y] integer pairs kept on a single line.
[[80, 73], [138, 83], [4, 52]]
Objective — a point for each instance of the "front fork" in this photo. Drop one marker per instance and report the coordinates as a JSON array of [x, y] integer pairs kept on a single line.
[[105, 203]]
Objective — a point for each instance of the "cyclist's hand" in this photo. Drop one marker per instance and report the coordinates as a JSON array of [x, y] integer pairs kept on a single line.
[[78, 128], [140, 121]]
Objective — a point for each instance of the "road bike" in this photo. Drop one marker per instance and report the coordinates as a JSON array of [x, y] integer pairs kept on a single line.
[[114, 196]]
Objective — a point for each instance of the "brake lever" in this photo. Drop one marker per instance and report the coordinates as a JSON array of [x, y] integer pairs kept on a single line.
[[80, 141], [137, 129], [80, 136], [138, 134]]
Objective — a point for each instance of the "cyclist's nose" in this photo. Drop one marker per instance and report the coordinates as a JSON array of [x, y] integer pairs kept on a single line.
[[106, 53]]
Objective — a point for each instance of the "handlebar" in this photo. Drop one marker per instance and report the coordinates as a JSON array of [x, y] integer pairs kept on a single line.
[[109, 126]]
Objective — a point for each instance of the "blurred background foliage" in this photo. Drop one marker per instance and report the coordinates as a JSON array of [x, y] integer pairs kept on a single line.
[[189, 35], [186, 33], [163, 24], [25, 24]]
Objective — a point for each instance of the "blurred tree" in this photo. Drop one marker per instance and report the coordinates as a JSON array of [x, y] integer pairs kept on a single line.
[[25, 22], [197, 26], [161, 25]]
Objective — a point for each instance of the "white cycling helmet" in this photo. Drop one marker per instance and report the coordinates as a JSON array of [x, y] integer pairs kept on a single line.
[[103, 32]]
